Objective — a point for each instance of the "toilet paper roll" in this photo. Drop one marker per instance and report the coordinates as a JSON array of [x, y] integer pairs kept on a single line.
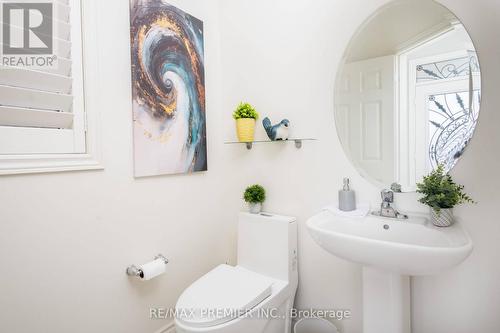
[[153, 269]]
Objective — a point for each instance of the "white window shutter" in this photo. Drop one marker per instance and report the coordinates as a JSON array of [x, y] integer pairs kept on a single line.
[[42, 111]]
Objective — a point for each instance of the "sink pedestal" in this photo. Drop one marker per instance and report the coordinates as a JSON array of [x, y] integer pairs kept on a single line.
[[390, 251], [386, 302]]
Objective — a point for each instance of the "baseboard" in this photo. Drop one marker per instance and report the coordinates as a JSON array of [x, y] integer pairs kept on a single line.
[[169, 328]]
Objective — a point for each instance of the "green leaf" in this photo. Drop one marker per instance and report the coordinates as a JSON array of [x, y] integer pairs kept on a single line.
[[255, 194], [245, 110], [440, 191]]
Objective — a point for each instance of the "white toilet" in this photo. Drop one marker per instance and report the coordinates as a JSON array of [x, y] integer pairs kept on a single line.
[[256, 296]]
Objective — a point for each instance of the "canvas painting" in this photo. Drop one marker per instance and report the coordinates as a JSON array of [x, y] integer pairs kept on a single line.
[[168, 90]]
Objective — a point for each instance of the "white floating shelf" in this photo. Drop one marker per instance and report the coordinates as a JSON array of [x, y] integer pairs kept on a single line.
[[249, 145]]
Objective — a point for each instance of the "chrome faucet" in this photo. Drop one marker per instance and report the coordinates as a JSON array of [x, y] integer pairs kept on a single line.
[[386, 210]]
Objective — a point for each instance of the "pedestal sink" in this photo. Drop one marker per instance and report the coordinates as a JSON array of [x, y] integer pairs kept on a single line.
[[390, 251]]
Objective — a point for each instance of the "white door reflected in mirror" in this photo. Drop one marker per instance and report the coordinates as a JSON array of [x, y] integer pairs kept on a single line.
[[408, 94]]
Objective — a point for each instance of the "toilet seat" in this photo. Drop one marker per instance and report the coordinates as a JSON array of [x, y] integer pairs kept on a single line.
[[221, 295]]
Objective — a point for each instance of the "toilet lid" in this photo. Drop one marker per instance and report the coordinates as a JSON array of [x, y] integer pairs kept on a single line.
[[221, 295]]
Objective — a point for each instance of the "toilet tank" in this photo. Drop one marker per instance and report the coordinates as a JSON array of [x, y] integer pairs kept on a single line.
[[267, 244]]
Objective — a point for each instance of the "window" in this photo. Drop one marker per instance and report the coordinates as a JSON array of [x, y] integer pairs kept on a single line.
[[47, 123]]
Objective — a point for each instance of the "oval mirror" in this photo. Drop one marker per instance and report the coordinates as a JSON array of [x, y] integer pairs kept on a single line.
[[408, 93]]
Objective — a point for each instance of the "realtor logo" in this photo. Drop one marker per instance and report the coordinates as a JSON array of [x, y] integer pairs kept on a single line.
[[28, 34], [27, 28]]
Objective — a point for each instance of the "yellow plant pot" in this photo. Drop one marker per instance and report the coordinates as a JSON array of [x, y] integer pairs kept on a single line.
[[245, 128]]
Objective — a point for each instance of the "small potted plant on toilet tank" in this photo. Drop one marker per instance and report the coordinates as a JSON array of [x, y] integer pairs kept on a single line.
[[255, 195], [245, 116], [441, 194]]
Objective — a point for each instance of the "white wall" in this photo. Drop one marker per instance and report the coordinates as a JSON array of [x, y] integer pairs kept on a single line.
[[66, 239], [282, 56], [412, 19]]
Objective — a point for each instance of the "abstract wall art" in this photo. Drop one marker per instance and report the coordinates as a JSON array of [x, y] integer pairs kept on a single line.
[[168, 89]]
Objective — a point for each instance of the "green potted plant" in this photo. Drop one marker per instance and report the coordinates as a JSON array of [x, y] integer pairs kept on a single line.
[[255, 195], [441, 194], [245, 116]]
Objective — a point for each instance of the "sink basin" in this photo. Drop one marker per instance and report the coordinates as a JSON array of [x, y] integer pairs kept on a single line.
[[390, 251], [406, 247]]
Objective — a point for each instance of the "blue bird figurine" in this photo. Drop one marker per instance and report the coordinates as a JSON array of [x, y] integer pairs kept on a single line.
[[278, 131]]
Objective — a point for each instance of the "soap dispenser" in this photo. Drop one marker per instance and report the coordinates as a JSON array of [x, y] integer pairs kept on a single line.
[[347, 199]]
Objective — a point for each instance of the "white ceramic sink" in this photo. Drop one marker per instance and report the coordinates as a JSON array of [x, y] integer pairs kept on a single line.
[[390, 251], [407, 247]]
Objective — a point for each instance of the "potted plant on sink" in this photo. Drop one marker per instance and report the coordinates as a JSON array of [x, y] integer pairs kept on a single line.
[[245, 116], [441, 193], [255, 195]]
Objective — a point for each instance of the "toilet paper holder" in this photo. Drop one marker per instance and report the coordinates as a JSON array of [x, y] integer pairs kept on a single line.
[[133, 270]]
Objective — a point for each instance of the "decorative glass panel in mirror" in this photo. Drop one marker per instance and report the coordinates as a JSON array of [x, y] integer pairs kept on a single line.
[[408, 93]]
